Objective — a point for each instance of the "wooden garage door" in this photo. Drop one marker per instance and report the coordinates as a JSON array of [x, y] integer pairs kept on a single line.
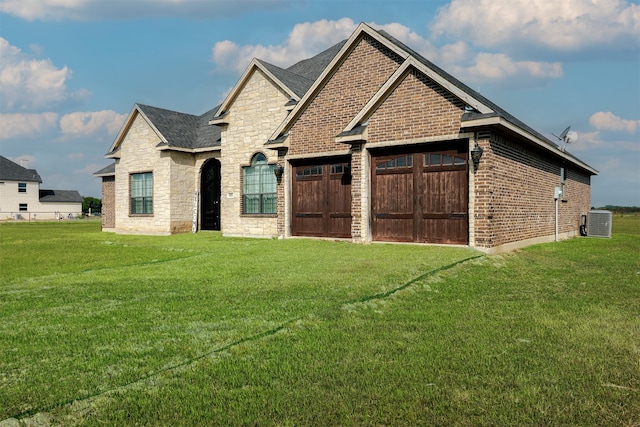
[[420, 195], [321, 199]]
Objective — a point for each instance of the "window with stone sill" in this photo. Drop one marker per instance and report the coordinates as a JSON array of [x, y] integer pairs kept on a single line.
[[141, 190], [259, 187]]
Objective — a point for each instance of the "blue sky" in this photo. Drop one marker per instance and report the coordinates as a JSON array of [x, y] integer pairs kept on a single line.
[[71, 70]]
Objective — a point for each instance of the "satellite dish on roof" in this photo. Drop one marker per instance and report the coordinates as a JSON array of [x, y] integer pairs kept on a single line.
[[567, 136]]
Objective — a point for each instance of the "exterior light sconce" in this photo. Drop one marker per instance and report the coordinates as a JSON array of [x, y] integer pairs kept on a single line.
[[278, 171], [476, 154]]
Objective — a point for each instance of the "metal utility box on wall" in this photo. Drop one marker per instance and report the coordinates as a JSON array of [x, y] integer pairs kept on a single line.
[[599, 223]]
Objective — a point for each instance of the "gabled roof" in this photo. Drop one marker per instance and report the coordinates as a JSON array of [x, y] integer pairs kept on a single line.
[[311, 68], [60, 196], [295, 81], [11, 171], [179, 131], [481, 111]]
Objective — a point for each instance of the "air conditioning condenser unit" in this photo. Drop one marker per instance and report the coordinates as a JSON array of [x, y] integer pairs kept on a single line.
[[599, 223]]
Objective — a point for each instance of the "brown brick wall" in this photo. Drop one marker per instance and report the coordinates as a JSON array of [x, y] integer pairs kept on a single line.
[[357, 79], [108, 202], [417, 108], [514, 189]]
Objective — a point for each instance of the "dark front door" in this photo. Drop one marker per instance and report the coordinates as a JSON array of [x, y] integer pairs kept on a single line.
[[321, 199], [210, 195], [420, 194]]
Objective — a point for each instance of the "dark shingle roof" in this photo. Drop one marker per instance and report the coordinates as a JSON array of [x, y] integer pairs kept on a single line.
[[11, 171], [311, 68], [107, 170], [206, 134], [457, 83], [183, 130], [60, 196], [297, 83]]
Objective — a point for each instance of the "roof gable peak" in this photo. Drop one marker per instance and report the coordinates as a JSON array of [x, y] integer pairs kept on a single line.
[[269, 70]]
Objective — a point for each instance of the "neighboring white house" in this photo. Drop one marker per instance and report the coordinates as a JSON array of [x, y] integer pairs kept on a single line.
[[22, 198]]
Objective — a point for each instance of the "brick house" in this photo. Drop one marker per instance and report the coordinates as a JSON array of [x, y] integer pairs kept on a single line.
[[379, 150], [375, 145]]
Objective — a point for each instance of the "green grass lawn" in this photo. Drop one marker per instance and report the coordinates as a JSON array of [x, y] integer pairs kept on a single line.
[[105, 329]]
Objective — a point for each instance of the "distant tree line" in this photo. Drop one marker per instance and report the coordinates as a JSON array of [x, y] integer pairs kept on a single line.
[[91, 203], [621, 210]]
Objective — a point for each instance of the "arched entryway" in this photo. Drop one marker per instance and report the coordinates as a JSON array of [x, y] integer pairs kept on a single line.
[[210, 195]]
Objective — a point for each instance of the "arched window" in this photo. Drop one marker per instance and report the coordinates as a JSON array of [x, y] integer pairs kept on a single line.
[[259, 187]]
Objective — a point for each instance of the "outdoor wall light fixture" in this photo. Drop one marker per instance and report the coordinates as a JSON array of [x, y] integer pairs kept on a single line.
[[278, 171], [476, 154]]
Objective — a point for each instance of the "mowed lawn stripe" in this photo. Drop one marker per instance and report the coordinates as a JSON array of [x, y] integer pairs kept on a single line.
[[79, 331]]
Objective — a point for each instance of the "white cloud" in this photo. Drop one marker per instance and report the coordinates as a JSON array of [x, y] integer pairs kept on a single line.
[[89, 169], [304, 41], [308, 39], [487, 67], [30, 84], [92, 10], [91, 123], [557, 25], [611, 122], [591, 142], [26, 125], [25, 160]]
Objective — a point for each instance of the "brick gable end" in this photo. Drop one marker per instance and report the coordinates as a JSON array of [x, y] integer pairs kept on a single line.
[[417, 108], [362, 73]]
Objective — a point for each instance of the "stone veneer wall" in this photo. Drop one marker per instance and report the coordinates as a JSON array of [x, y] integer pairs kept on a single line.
[[181, 188], [255, 113], [138, 153]]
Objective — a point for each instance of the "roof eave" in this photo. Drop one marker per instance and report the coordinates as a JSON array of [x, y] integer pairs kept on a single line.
[[278, 143], [498, 121], [167, 147]]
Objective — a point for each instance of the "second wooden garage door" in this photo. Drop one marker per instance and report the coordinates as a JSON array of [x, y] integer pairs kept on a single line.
[[420, 195], [321, 199]]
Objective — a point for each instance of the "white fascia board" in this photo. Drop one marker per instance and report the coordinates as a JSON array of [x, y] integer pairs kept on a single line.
[[236, 89], [500, 121], [113, 154], [461, 94], [419, 141], [188, 150], [124, 129], [253, 65], [153, 127], [115, 147], [324, 154], [278, 82]]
